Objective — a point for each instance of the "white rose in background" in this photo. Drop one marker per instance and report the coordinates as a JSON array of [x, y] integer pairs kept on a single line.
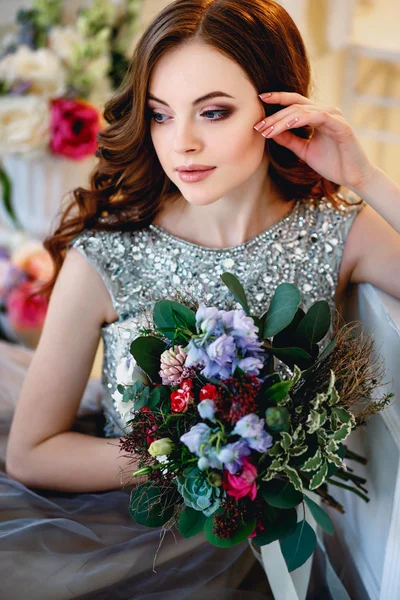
[[62, 41], [24, 124], [128, 372], [42, 68]]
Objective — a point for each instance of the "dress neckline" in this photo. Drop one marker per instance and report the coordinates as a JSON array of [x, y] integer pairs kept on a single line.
[[267, 232]]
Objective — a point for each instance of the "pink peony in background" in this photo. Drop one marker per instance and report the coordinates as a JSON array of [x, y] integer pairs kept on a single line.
[[24, 312], [74, 128]]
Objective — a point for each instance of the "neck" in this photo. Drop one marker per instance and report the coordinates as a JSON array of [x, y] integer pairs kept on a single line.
[[233, 219]]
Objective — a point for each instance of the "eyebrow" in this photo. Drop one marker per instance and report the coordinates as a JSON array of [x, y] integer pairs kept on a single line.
[[201, 99]]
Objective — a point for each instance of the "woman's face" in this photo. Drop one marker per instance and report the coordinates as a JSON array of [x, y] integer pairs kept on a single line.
[[214, 132]]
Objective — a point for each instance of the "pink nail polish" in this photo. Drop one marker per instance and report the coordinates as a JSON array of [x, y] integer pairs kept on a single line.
[[268, 132]]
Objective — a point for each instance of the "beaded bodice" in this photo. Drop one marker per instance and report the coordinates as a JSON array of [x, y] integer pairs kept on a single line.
[[140, 267]]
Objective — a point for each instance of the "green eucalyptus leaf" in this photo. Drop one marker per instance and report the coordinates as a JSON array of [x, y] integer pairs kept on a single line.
[[147, 351], [156, 395], [191, 522], [236, 288], [298, 547], [293, 356], [168, 315], [142, 398], [282, 310], [281, 494], [321, 517], [316, 323], [287, 337]]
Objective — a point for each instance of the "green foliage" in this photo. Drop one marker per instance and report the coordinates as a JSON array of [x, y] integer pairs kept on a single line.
[[148, 507], [172, 319], [236, 288], [298, 547], [282, 310], [293, 356], [316, 323], [147, 351], [321, 517], [281, 494], [191, 522]]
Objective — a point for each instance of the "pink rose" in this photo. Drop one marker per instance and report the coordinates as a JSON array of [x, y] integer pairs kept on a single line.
[[74, 128], [241, 485], [24, 312]]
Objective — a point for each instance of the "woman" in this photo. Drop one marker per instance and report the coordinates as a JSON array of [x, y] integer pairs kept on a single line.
[[197, 175]]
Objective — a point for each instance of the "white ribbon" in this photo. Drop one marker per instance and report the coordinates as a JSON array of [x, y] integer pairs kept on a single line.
[[294, 585]]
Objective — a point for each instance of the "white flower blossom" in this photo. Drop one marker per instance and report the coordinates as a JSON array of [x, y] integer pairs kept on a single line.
[[128, 372], [125, 409], [24, 124], [42, 67], [62, 40]]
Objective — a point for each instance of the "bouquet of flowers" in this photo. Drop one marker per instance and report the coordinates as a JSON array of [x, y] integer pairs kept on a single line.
[[229, 442], [22, 271]]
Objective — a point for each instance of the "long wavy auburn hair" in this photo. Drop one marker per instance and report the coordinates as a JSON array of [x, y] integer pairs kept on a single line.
[[128, 185]]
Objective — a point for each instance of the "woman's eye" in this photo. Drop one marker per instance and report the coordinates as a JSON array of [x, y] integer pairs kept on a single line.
[[211, 115]]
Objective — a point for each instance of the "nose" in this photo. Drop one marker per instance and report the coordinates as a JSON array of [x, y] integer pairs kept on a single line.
[[186, 139]]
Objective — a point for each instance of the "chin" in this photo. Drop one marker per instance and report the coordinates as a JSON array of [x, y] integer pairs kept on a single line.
[[200, 198]]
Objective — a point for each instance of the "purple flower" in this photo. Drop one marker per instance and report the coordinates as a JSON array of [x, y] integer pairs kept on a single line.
[[222, 350], [243, 326], [231, 455], [213, 369], [251, 428], [207, 319], [206, 409], [195, 437], [195, 355], [251, 365], [260, 442]]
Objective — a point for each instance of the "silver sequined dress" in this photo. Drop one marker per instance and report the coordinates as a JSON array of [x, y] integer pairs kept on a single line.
[[138, 267]]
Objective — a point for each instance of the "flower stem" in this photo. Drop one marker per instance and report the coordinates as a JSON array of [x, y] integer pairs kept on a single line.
[[348, 487]]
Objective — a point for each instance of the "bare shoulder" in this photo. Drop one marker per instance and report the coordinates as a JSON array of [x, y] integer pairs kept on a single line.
[[92, 290]]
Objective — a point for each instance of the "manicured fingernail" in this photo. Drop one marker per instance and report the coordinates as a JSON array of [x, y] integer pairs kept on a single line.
[[265, 95], [259, 126], [292, 122], [268, 132]]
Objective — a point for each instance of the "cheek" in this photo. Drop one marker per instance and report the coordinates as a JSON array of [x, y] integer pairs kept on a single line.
[[243, 150]]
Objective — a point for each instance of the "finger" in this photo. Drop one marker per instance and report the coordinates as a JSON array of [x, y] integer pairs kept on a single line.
[[284, 98], [268, 122], [327, 123]]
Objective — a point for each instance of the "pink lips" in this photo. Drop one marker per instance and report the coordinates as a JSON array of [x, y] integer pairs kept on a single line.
[[193, 173]]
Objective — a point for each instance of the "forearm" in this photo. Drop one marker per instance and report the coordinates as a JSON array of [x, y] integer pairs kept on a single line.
[[383, 194], [75, 462]]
